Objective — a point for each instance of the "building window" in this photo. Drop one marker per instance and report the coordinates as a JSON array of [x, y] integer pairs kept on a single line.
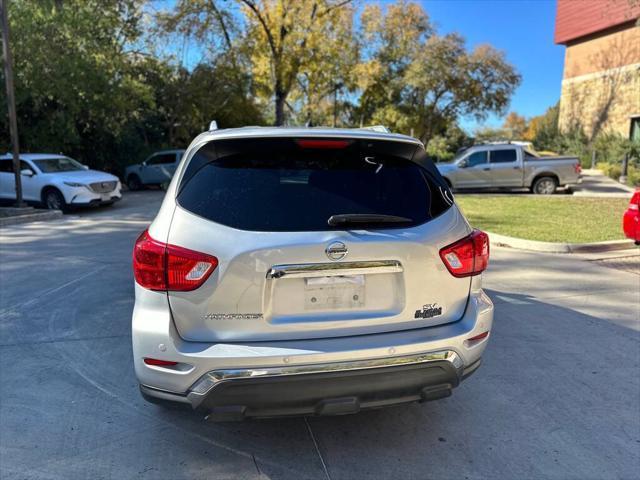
[[634, 133]]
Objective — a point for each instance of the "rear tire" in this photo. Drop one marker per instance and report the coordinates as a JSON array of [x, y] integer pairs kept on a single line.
[[134, 183], [53, 199], [544, 186]]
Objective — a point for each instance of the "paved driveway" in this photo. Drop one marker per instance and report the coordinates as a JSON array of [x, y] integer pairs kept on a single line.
[[558, 395]]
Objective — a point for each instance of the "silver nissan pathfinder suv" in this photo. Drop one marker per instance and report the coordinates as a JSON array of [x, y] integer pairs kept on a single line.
[[303, 271]]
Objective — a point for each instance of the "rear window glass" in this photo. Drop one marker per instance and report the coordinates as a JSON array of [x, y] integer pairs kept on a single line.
[[299, 189]]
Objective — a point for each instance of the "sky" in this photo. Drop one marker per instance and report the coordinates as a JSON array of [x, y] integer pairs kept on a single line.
[[523, 29]]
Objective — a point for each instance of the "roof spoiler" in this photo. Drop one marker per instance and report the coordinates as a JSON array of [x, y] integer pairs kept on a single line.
[[376, 128]]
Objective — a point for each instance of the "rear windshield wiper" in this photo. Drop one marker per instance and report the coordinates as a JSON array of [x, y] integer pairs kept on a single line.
[[365, 218]]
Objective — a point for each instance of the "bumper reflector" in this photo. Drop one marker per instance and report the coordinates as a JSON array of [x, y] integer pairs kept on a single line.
[[159, 363]]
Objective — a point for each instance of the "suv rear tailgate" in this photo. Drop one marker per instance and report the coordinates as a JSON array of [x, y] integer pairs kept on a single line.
[[262, 210]]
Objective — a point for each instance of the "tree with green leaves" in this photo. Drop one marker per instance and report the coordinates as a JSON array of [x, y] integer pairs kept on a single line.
[[74, 87], [87, 85], [296, 52], [416, 80]]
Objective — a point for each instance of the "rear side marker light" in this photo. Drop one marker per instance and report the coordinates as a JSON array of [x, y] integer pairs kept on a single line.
[[468, 256], [478, 337], [163, 267], [159, 363], [323, 144], [470, 342]]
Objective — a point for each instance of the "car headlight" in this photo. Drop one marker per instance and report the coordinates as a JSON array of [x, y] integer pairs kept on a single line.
[[74, 184]]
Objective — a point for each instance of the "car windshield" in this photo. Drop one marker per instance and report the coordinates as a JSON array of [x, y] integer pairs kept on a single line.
[[58, 164]]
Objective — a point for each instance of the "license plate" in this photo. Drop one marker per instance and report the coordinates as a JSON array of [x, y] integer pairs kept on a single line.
[[326, 293], [105, 197]]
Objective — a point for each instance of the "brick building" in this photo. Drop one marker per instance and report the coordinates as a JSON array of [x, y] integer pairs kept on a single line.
[[601, 81]]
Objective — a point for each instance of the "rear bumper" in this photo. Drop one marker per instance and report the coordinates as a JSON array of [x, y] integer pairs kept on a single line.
[[267, 374], [329, 389], [631, 225]]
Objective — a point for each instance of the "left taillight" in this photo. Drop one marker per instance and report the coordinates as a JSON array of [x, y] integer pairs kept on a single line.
[[468, 256], [164, 267]]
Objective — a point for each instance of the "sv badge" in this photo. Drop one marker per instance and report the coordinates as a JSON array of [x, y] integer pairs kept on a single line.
[[428, 311]]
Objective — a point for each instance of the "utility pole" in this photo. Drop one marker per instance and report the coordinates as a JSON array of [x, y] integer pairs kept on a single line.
[[11, 101]]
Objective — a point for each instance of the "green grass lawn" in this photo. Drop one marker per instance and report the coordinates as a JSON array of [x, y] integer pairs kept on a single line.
[[548, 219]]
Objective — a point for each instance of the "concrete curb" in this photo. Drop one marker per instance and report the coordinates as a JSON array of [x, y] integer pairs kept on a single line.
[[30, 217], [552, 247]]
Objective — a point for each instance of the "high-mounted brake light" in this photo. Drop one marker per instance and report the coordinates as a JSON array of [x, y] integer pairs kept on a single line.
[[323, 144], [163, 267], [468, 256]]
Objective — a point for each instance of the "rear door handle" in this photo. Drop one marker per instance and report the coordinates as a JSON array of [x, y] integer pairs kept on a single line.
[[516, 168], [486, 169]]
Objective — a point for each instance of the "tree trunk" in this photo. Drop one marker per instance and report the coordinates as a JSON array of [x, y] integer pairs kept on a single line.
[[280, 98]]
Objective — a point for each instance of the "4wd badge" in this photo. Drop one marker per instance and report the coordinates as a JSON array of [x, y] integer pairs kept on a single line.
[[428, 311]]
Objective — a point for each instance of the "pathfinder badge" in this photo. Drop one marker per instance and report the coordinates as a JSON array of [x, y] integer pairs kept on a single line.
[[428, 311]]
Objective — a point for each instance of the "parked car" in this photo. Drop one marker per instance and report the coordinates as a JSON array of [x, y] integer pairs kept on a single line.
[[510, 166], [57, 182], [158, 169], [631, 219], [307, 271]]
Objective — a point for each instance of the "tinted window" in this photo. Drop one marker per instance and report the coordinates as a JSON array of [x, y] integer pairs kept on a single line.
[[477, 158], [162, 159], [6, 166], [503, 156], [299, 189], [635, 129]]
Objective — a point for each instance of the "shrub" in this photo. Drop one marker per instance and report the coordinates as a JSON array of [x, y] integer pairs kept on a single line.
[[614, 170]]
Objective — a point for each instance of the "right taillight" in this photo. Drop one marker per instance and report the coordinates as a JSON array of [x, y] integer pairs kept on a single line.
[[577, 167], [164, 267], [468, 256]]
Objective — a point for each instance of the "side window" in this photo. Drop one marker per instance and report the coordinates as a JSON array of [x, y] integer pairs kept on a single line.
[[503, 156], [163, 158], [6, 166], [25, 166], [477, 158]]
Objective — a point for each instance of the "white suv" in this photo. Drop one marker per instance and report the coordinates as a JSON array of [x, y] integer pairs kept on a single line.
[[57, 182], [307, 271]]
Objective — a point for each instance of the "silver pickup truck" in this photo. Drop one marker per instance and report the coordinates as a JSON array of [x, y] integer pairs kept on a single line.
[[510, 166]]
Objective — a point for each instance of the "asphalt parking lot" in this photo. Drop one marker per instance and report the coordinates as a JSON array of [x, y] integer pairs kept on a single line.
[[558, 395]]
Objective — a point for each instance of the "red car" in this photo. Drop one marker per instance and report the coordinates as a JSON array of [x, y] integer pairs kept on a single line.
[[631, 219]]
